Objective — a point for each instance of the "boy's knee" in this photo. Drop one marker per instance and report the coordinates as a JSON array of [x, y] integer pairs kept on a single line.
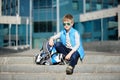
[[58, 44], [75, 56]]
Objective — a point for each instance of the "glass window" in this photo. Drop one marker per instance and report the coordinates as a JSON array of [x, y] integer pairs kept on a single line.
[[88, 5], [110, 3], [43, 27], [5, 25], [16, 2], [99, 5], [42, 4], [97, 25], [118, 1], [93, 5], [75, 5], [3, 8]]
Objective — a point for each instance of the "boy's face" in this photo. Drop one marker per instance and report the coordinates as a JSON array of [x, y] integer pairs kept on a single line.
[[67, 24]]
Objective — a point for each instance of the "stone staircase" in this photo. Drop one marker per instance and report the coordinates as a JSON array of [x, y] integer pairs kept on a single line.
[[103, 46], [95, 66]]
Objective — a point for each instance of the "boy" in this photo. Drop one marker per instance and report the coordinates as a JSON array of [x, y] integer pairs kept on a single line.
[[70, 44]]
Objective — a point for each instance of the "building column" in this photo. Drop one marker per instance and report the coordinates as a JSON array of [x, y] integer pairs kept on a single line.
[[27, 24], [18, 7], [58, 15], [17, 32], [9, 35], [119, 22], [84, 6], [102, 30], [0, 7], [31, 24]]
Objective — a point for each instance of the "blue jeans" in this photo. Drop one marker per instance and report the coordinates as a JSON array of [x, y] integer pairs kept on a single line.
[[64, 50]]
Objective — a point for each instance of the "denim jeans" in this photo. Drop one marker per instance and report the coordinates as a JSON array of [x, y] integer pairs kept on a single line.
[[64, 50]]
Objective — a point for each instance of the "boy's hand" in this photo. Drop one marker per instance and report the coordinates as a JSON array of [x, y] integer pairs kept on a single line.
[[51, 42], [68, 56]]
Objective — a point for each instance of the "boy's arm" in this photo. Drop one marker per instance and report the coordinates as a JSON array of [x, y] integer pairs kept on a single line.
[[51, 40], [77, 42], [56, 36]]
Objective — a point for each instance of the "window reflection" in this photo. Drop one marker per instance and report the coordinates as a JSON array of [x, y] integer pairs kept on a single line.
[[93, 5]]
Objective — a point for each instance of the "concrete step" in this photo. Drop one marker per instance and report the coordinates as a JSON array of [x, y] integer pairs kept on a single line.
[[17, 60], [103, 46], [59, 76], [84, 68], [14, 49], [95, 66], [88, 59], [23, 53]]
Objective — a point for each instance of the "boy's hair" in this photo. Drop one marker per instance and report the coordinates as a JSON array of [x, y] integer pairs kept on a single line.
[[68, 16]]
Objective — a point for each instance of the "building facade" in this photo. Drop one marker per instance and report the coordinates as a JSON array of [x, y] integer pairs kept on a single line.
[[13, 22], [96, 20]]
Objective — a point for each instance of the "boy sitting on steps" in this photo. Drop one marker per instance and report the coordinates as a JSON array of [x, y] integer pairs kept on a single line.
[[70, 43]]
